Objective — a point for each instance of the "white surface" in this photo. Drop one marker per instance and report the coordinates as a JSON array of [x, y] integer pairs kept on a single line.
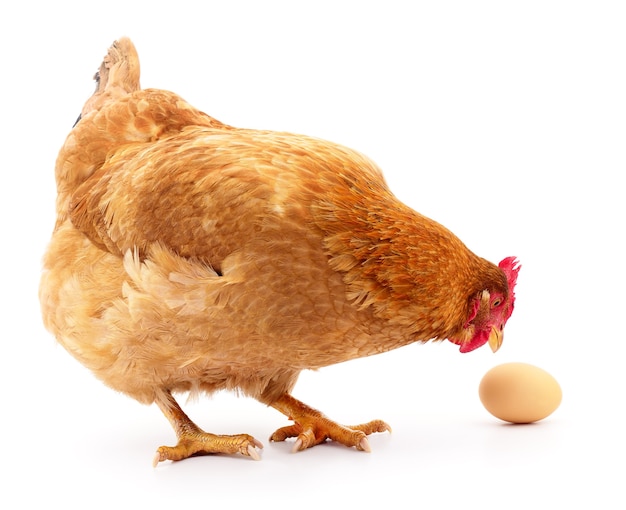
[[504, 123]]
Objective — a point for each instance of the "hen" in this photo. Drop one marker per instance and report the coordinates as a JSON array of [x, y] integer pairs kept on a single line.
[[192, 256]]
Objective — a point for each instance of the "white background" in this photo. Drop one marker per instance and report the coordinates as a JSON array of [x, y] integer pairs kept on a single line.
[[505, 121]]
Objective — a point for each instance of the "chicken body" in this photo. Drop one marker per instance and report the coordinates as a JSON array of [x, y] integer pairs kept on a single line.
[[189, 255]]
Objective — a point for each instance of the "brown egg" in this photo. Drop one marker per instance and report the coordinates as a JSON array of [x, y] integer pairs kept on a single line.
[[519, 392]]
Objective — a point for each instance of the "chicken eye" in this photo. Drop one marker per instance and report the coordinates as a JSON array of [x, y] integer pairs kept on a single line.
[[496, 302]]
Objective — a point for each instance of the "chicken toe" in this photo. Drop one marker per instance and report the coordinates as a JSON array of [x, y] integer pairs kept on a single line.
[[199, 443], [311, 427], [194, 441]]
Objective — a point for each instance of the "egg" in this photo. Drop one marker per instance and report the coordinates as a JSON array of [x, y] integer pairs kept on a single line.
[[519, 393]]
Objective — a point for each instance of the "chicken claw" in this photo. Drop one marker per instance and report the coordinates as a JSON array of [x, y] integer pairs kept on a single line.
[[364, 445], [194, 441], [311, 427], [199, 442]]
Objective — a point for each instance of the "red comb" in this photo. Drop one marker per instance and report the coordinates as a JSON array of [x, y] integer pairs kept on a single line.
[[510, 266]]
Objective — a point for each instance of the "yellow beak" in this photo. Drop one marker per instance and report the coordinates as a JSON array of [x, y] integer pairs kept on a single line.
[[495, 338]]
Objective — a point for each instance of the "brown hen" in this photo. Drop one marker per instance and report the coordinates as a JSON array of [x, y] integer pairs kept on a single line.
[[191, 256]]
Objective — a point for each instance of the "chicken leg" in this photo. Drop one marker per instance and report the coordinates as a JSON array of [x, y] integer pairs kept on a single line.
[[193, 440], [311, 427]]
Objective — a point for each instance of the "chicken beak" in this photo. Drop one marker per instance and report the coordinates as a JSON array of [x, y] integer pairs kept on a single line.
[[495, 338]]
